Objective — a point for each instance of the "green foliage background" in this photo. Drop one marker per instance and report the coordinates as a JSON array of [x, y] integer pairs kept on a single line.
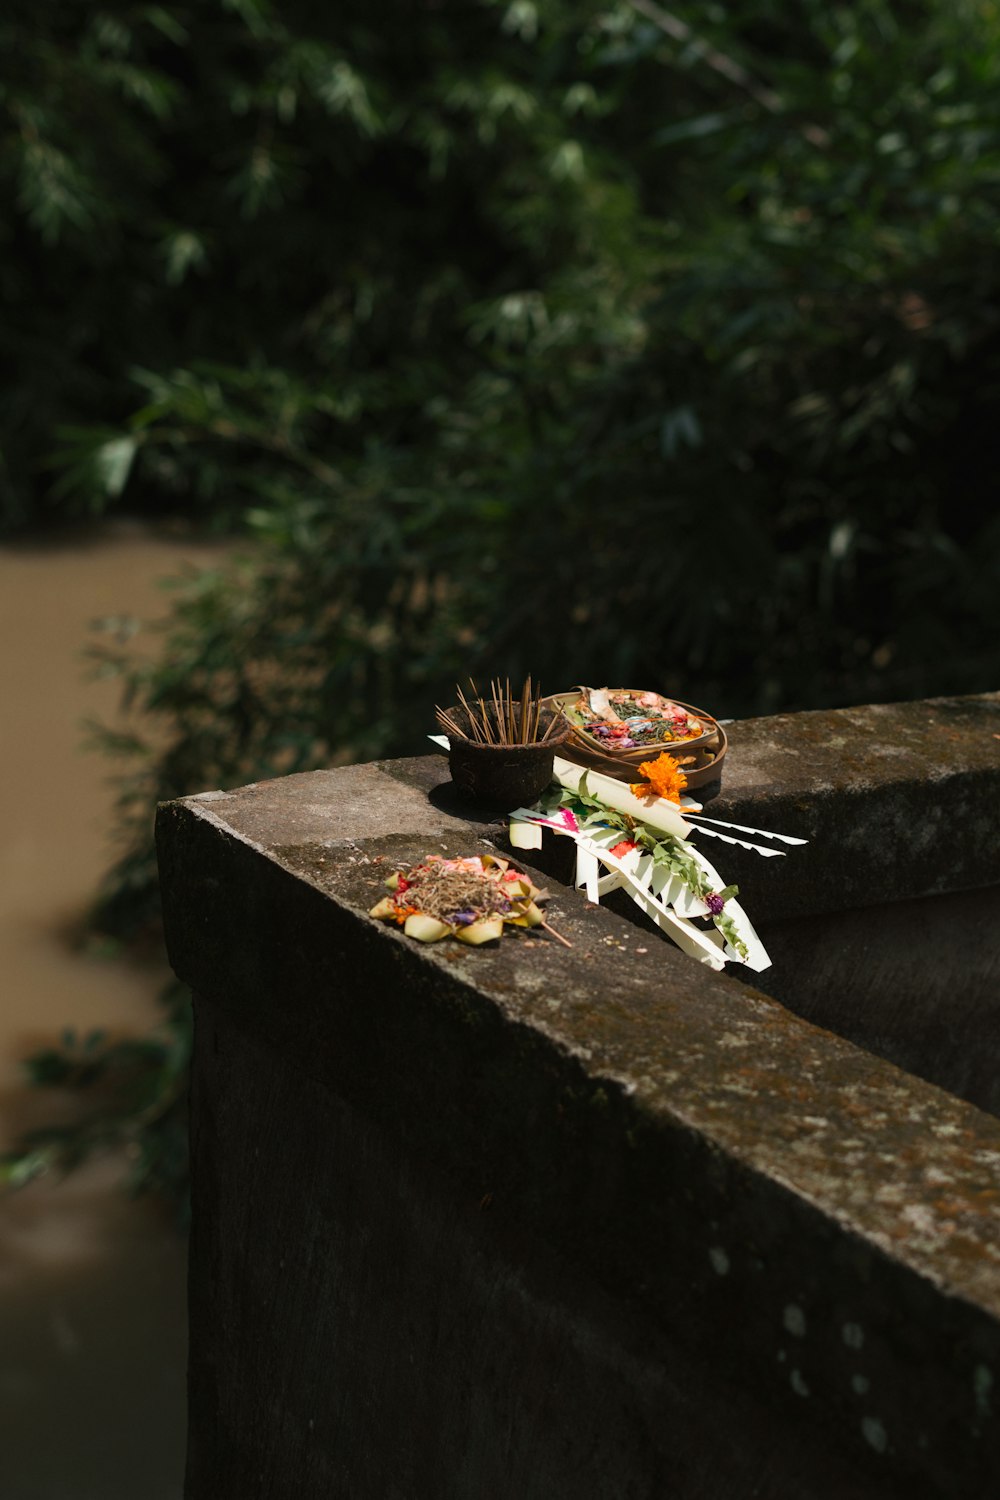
[[603, 340]]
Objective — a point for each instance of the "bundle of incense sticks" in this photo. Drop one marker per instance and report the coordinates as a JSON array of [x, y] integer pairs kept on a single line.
[[500, 719]]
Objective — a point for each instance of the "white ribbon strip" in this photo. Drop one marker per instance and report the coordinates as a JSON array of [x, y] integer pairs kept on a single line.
[[727, 838], [786, 838]]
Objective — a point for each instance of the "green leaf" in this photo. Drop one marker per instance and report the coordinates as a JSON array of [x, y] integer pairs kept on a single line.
[[184, 251], [694, 128], [113, 463]]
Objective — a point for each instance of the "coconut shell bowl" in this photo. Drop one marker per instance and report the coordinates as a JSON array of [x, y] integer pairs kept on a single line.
[[502, 748]]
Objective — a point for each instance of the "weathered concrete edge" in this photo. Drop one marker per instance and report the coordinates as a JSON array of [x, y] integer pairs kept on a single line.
[[448, 1322], [965, 1141], [924, 1294], [885, 823], [897, 800], [864, 745]]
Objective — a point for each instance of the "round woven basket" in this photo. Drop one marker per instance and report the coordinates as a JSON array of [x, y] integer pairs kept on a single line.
[[699, 758], [505, 775]]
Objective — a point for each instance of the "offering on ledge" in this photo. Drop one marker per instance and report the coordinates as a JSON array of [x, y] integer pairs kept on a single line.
[[472, 898], [636, 837], [623, 719], [615, 730]]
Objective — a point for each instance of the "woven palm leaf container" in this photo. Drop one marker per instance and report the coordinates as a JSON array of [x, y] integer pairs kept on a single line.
[[700, 757], [507, 775]]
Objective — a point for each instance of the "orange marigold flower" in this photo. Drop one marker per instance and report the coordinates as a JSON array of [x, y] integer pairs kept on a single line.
[[664, 778]]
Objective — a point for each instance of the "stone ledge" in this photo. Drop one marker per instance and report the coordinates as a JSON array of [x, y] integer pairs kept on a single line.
[[713, 1054], [689, 1146], [897, 800]]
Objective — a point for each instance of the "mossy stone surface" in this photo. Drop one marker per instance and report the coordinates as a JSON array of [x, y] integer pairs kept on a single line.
[[553, 1222]]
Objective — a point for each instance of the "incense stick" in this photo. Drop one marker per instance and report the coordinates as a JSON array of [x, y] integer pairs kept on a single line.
[[501, 719]]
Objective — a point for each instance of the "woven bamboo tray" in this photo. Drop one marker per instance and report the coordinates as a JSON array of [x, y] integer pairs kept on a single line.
[[701, 759]]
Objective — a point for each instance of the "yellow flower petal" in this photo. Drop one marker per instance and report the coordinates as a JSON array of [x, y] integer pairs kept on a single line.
[[480, 932], [664, 778], [425, 929]]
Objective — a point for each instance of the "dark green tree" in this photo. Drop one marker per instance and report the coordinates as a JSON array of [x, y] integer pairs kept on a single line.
[[605, 340]]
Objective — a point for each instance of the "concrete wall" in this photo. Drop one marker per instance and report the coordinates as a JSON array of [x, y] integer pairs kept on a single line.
[[537, 1222]]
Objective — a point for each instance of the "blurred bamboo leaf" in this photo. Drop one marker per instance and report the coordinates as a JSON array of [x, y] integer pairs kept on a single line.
[[519, 336]]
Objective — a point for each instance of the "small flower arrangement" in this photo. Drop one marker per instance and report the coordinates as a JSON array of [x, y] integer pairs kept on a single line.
[[663, 777], [470, 898]]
